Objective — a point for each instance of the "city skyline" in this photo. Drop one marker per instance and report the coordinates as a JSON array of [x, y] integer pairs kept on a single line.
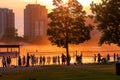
[[35, 21], [19, 6], [7, 20]]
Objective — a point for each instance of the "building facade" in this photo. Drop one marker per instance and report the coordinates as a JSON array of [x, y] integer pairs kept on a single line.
[[35, 21], [7, 20]]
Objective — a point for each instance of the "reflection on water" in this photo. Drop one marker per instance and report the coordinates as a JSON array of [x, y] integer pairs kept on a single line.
[[51, 51]]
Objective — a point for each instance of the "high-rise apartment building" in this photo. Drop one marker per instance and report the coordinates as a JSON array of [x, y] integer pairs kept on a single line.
[[7, 20], [35, 21]]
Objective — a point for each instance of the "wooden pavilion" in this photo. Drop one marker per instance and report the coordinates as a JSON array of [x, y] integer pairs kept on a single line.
[[9, 50]]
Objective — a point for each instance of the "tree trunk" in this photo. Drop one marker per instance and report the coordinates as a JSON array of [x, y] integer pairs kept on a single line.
[[67, 53]]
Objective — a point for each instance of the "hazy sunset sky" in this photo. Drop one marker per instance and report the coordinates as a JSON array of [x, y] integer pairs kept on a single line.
[[18, 7]]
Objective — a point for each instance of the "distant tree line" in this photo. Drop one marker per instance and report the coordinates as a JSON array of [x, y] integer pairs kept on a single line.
[[11, 35]]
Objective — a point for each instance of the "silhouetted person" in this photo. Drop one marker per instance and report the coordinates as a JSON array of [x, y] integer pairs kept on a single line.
[[114, 57], [43, 60], [10, 60], [108, 57], [23, 60], [77, 59], [63, 58], [19, 61], [95, 57], [7, 61], [33, 60], [81, 58], [4, 62], [99, 57], [28, 59], [59, 60]]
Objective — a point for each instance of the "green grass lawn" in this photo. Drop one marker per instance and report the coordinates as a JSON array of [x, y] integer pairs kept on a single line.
[[79, 72]]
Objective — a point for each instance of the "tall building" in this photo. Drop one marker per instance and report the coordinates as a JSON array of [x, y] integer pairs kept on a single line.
[[7, 19], [35, 21]]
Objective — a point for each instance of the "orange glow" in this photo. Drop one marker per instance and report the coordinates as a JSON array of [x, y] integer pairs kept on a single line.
[[18, 7]]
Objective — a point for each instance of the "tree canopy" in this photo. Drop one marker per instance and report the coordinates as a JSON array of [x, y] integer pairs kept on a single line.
[[107, 13], [67, 24]]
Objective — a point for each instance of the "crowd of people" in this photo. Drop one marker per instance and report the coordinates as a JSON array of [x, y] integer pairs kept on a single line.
[[32, 60], [98, 58], [6, 61], [79, 59]]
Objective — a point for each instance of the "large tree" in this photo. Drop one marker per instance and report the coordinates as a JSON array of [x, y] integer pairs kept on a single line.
[[107, 14], [67, 25]]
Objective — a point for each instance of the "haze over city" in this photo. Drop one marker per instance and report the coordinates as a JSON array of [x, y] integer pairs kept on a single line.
[[18, 7]]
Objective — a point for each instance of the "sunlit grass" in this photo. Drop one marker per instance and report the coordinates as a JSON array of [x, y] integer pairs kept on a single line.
[[79, 72]]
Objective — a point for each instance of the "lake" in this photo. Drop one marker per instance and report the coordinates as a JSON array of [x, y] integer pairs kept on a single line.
[[49, 50]]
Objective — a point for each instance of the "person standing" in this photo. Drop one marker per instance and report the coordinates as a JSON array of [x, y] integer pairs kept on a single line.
[[44, 60], [23, 60], [41, 60], [99, 57], [19, 61], [58, 60], [28, 59], [114, 57], [81, 58], [108, 58], [53, 60], [33, 60], [95, 57], [63, 59], [8, 61], [4, 62]]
